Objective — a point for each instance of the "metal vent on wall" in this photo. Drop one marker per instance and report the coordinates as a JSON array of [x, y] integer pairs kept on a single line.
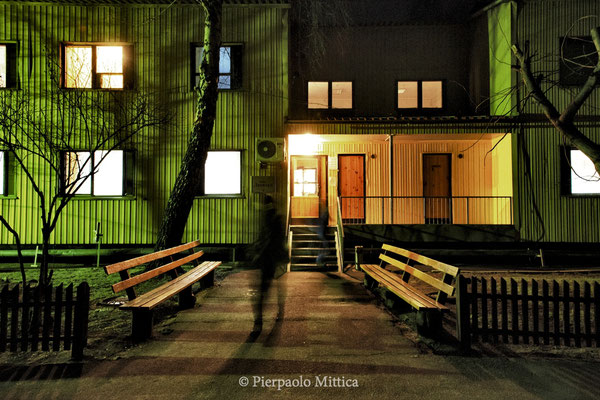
[[270, 149]]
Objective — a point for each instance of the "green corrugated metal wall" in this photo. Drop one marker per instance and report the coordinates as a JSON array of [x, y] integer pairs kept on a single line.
[[161, 36], [563, 218]]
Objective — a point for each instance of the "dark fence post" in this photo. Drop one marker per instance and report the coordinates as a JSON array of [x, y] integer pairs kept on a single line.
[[81, 321], [14, 316], [3, 318], [25, 318], [462, 311], [58, 306]]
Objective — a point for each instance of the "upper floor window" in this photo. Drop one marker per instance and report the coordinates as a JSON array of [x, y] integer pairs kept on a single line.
[[230, 66], [101, 173], [8, 65], [578, 57], [95, 66], [222, 173], [334, 95], [419, 94]]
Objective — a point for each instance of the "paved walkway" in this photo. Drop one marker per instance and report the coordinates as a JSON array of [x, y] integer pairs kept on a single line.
[[321, 331]]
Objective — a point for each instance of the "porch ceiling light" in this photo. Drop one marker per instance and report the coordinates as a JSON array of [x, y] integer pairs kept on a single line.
[[306, 144]]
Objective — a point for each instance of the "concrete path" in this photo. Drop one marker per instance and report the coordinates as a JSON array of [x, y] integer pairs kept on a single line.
[[323, 334]]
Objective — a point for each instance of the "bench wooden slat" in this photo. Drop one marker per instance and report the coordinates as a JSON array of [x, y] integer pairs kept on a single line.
[[134, 262], [408, 293], [436, 283], [446, 268], [154, 297], [126, 284], [411, 295]]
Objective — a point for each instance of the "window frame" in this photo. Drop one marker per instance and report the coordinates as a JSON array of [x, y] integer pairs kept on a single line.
[[573, 79], [565, 174], [12, 57], [128, 183], [128, 65], [420, 107], [202, 179], [237, 65], [330, 96]]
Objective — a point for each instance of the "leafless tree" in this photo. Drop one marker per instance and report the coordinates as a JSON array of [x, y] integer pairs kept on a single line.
[[37, 130], [563, 121]]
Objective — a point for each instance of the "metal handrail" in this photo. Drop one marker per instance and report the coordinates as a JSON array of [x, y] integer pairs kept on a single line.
[[487, 210], [340, 234]]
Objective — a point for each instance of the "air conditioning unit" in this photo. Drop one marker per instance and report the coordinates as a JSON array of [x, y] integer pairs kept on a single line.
[[270, 149]]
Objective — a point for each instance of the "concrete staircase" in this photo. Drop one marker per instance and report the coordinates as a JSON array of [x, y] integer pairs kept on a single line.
[[306, 247]]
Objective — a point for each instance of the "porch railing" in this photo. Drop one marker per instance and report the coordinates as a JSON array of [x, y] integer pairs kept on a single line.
[[468, 210], [339, 237]]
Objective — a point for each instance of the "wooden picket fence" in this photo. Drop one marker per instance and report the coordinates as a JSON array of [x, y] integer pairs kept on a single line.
[[529, 311], [44, 318]]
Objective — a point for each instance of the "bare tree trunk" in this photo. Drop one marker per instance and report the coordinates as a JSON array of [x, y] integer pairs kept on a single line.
[[564, 122], [188, 181], [19, 250]]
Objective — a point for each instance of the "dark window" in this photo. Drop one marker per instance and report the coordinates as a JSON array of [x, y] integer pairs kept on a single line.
[[578, 175], [230, 66], [101, 173], [335, 95], [8, 65], [578, 57], [419, 95], [222, 174], [97, 66]]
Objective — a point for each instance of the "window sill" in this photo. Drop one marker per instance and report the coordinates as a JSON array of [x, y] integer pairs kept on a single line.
[[582, 195], [86, 197], [9, 197], [221, 196]]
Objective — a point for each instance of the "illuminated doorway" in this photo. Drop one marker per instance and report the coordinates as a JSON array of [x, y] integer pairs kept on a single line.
[[308, 186]]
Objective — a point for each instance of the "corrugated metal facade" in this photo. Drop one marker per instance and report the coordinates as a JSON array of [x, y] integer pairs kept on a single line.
[[561, 218], [161, 37]]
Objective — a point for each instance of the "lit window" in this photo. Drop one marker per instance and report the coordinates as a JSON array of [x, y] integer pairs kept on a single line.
[[305, 182], [584, 177], [95, 66], [230, 66], [419, 94], [408, 95], [320, 93], [8, 67], [341, 94], [3, 66], [108, 177], [223, 173], [432, 94]]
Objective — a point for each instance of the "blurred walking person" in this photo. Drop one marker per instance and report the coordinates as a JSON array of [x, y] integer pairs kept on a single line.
[[269, 252]]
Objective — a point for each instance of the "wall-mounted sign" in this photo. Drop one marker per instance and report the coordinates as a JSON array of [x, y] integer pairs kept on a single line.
[[263, 184]]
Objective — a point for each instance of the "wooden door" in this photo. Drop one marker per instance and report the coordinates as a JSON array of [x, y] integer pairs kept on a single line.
[[437, 188], [351, 182], [308, 186]]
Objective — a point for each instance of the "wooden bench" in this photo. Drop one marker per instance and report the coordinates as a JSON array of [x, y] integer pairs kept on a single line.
[[429, 310], [180, 283]]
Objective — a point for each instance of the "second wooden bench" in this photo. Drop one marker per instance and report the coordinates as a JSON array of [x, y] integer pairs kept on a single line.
[[181, 283], [429, 310]]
